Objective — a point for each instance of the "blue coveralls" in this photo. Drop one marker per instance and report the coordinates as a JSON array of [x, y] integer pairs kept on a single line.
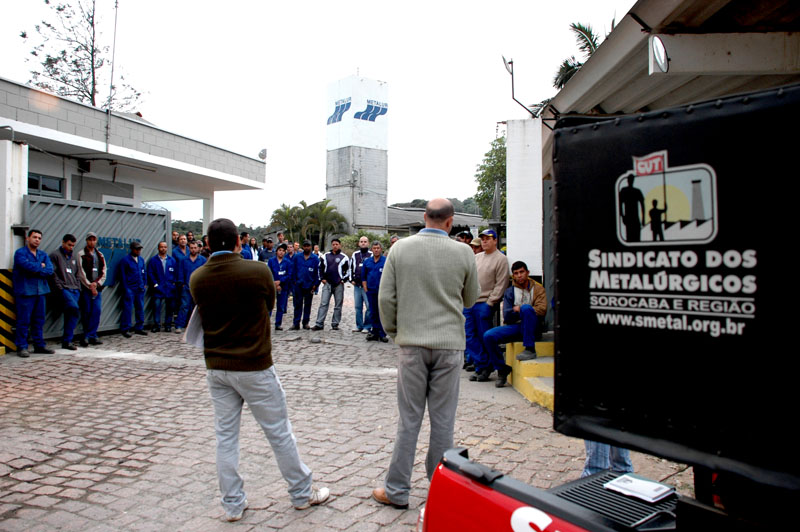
[[29, 279], [186, 269], [372, 272], [179, 257], [133, 281], [306, 279], [281, 271], [518, 326], [162, 278]]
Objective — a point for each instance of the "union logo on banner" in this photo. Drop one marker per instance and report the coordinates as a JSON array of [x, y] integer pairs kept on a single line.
[[654, 163], [659, 205]]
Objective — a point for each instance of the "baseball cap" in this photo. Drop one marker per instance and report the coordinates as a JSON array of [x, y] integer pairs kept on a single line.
[[489, 232], [136, 245], [90, 235]]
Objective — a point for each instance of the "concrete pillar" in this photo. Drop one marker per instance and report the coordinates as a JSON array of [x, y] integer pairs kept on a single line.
[[524, 211], [208, 212], [14, 179]]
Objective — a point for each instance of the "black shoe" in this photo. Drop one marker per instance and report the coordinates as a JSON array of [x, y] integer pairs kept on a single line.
[[384, 339], [44, 350], [502, 376], [95, 341], [68, 345], [140, 332], [468, 366], [167, 329], [315, 327], [126, 334], [278, 328], [306, 327], [294, 328], [372, 337], [334, 327], [482, 376], [155, 330], [23, 353], [84, 343]]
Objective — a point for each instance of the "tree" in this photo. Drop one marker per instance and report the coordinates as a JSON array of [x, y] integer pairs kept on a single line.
[[324, 218], [492, 170], [588, 41], [73, 63], [289, 218]]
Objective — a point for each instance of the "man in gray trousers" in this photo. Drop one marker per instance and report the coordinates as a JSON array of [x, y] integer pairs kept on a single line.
[[427, 281]]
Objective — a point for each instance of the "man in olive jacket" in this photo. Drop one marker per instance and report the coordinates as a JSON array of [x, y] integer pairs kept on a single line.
[[238, 354]]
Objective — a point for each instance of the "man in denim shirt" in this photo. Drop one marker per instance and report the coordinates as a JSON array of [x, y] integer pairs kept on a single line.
[[32, 267]]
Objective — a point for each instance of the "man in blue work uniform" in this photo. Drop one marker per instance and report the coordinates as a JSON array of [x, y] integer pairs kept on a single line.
[[363, 323], [282, 270], [32, 267], [92, 275], [186, 269], [305, 281], [371, 282], [65, 278], [162, 274], [133, 281], [266, 252], [179, 253]]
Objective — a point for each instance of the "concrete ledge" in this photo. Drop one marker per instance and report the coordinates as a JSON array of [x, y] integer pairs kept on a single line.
[[533, 378]]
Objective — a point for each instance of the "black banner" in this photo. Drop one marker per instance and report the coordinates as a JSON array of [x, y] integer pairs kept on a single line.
[[675, 294]]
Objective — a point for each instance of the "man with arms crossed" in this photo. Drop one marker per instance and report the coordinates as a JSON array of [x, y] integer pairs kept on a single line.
[[92, 274], [32, 268], [65, 277], [423, 315], [238, 354]]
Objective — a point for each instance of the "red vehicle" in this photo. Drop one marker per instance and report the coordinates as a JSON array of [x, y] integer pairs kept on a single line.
[[668, 229]]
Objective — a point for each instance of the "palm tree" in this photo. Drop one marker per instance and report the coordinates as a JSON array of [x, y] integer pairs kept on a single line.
[[288, 218], [588, 41], [325, 219]]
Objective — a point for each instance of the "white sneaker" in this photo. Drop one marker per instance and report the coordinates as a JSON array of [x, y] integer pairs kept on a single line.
[[178, 330], [365, 331], [231, 518], [318, 496]]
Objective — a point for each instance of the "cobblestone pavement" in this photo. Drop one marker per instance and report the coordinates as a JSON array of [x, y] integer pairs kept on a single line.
[[120, 437]]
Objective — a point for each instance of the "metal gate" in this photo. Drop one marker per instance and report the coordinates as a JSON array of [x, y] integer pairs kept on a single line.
[[116, 227]]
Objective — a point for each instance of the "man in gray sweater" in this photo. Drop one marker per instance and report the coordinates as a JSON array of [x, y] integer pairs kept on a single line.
[[427, 281]]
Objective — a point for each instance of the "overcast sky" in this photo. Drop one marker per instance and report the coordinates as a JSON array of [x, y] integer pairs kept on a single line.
[[251, 74]]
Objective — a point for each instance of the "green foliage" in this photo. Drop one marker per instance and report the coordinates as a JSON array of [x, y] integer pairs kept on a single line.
[[182, 227], [492, 170], [350, 242], [315, 221], [587, 41], [71, 62]]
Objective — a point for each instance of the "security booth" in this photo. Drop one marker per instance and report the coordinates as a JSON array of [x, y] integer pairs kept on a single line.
[[68, 167]]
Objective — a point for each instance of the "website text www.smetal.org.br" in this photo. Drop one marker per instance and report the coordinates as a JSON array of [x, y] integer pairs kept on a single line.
[[675, 323]]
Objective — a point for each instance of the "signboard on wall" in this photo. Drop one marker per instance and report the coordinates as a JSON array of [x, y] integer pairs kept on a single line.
[[357, 113], [672, 291]]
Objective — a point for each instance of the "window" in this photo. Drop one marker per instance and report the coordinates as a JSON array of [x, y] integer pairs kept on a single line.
[[42, 185]]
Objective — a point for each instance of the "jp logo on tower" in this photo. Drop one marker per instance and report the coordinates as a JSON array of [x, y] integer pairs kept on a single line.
[[659, 205]]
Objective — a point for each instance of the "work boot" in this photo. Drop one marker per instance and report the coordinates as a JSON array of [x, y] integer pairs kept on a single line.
[[528, 354], [502, 376]]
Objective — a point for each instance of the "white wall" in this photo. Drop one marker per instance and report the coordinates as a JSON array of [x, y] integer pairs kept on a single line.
[[524, 214], [14, 180]]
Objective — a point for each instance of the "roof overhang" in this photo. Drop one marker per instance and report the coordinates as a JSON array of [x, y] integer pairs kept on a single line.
[[715, 48]]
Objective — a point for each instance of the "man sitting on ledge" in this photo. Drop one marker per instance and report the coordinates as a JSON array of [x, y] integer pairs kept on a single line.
[[524, 304]]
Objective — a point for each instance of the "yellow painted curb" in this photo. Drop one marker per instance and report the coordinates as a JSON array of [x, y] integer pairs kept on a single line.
[[533, 378]]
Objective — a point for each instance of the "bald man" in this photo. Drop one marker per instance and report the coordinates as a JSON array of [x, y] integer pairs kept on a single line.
[[422, 313]]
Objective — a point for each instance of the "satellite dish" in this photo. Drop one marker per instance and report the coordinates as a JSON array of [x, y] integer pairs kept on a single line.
[[509, 64], [660, 53], [263, 154]]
